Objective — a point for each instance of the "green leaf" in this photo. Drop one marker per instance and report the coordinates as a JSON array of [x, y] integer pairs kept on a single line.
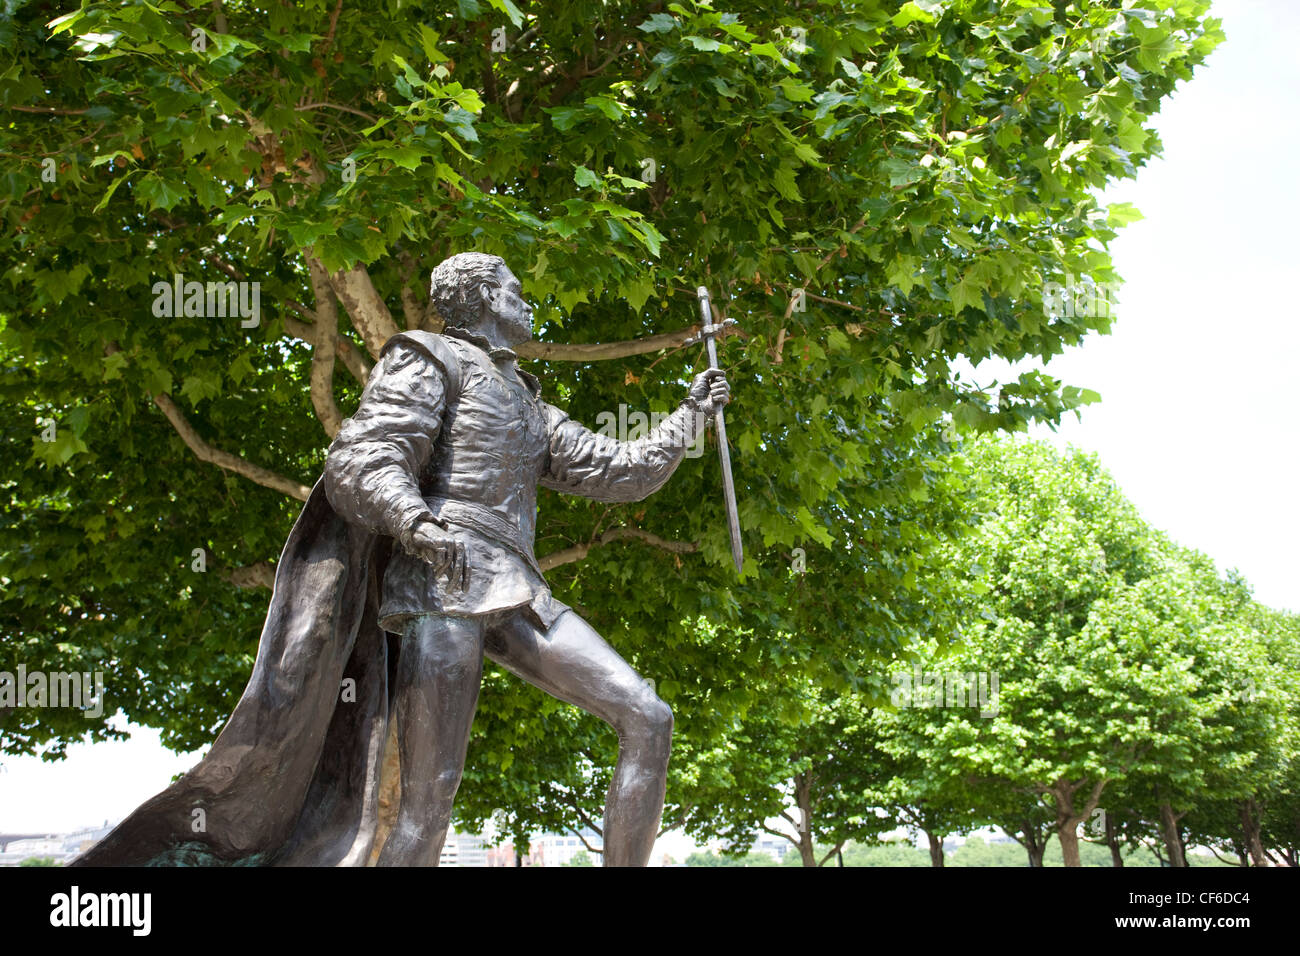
[[1122, 213], [158, 192], [509, 9], [658, 23]]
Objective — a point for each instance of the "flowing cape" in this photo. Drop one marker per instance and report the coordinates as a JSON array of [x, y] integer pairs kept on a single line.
[[293, 778]]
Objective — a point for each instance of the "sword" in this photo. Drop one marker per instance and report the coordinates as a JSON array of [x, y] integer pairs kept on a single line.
[[707, 333]]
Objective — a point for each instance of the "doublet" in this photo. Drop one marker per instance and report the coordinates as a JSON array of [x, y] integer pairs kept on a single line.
[[468, 448]]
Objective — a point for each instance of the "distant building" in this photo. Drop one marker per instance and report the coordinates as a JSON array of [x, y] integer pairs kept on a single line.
[[504, 855], [559, 850], [545, 849], [774, 846], [463, 849], [60, 847]]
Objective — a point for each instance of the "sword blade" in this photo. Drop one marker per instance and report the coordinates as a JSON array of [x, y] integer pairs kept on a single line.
[[724, 451]]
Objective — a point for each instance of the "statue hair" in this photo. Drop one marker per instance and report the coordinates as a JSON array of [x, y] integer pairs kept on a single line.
[[454, 284]]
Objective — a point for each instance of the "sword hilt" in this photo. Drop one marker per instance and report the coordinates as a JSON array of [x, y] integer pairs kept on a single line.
[[710, 330]]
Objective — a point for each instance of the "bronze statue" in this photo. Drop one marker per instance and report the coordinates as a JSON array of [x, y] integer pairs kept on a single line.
[[417, 543]]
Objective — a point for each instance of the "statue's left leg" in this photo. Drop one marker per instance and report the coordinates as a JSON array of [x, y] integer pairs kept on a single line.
[[574, 663]]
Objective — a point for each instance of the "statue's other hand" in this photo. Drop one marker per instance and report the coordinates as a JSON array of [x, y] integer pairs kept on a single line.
[[710, 390], [430, 542]]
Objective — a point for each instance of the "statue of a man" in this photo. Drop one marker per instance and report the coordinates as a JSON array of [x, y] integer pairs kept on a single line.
[[422, 526], [453, 478]]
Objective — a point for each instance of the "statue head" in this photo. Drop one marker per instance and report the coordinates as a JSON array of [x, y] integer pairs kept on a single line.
[[478, 293]]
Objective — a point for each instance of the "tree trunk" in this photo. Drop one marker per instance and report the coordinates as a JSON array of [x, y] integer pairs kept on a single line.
[[936, 848], [1239, 848], [1172, 838], [1112, 841], [1068, 817], [1068, 834], [1033, 846], [1067, 821], [803, 797], [1250, 833]]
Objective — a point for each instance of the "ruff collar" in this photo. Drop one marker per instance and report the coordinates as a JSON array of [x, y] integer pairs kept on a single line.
[[496, 353]]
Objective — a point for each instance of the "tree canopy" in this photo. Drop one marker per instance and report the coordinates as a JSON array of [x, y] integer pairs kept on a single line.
[[873, 191]]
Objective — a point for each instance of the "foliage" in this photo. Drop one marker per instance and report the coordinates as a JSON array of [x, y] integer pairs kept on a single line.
[[919, 172]]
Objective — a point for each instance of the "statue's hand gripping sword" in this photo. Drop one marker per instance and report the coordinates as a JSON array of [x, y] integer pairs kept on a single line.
[[708, 332]]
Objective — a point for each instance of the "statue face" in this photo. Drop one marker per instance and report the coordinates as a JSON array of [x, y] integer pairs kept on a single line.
[[506, 307]]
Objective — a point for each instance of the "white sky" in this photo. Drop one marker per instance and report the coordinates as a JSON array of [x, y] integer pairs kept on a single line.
[[1197, 379], [1199, 374]]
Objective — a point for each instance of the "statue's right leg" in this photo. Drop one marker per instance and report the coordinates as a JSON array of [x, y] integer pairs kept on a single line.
[[438, 676]]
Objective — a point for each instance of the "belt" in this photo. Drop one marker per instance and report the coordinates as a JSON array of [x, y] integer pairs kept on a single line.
[[484, 520]]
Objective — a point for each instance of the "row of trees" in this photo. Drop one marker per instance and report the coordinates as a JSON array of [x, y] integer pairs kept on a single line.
[[873, 193], [975, 851], [1105, 677]]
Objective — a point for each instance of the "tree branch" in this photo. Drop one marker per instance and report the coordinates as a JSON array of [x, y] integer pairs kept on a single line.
[[413, 309], [322, 353], [224, 459], [596, 351], [334, 22], [215, 456], [579, 551], [365, 307], [835, 849], [1221, 859], [343, 348], [590, 848], [582, 815], [336, 106], [260, 575], [781, 833], [48, 110]]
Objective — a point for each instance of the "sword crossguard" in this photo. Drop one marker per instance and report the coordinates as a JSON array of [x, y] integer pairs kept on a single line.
[[712, 329]]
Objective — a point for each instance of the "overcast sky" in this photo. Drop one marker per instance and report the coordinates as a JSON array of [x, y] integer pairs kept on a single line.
[[1197, 380], [1198, 420]]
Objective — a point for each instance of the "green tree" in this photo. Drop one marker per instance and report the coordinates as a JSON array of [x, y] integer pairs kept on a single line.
[[1225, 738], [806, 781], [1118, 657], [1279, 805], [722, 859], [871, 192]]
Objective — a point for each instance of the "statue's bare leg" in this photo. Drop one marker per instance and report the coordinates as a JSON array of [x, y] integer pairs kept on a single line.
[[574, 663], [438, 677]]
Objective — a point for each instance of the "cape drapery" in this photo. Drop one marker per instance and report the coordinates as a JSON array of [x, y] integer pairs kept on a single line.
[[293, 778]]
